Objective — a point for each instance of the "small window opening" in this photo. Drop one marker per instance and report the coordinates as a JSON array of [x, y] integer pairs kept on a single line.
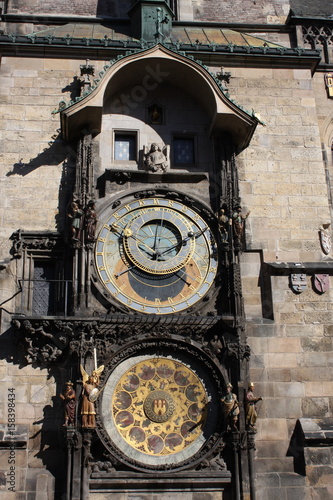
[[125, 146], [183, 150], [44, 297]]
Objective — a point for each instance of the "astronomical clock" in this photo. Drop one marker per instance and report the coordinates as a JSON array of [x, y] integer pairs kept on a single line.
[[148, 325], [156, 255], [156, 259]]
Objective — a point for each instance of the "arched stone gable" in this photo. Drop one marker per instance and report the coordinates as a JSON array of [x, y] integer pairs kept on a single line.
[[148, 67]]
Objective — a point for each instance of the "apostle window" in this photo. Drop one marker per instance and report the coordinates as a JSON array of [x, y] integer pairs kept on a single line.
[[183, 150], [125, 146]]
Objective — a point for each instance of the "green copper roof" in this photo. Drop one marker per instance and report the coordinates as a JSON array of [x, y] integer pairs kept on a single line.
[[218, 36], [191, 35], [83, 30]]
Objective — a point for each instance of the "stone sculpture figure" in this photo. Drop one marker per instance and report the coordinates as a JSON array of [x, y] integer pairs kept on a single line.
[[90, 221], [223, 222], [89, 395], [238, 222], [156, 159], [250, 406], [230, 408], [76, 215], [69, 398]]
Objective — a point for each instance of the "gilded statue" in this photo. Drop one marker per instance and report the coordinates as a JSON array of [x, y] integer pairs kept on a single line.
[[90, 394], [250, 406]]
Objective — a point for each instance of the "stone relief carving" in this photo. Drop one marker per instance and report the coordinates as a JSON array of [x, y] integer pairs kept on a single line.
[[23, 240], [44, 342]]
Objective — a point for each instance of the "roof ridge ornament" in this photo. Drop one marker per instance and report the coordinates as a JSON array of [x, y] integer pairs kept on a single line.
[[159, 21]]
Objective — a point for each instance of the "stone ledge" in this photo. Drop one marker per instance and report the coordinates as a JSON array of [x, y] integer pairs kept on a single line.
[[285, 268], [144, 176], [317, 431], [174, 482]]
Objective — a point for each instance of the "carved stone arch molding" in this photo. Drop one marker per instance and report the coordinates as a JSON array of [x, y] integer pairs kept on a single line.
[[152, 67], [159, 408], [326, 132]]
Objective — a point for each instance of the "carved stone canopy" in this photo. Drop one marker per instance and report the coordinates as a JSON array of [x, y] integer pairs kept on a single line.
[[166, 66]]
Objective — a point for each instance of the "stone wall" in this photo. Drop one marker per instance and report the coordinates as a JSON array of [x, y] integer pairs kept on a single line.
[[32, 168], [229, 11], [33, 156], [239, 11], [283, 184], [75, 7], [282, 175], [27, 400]]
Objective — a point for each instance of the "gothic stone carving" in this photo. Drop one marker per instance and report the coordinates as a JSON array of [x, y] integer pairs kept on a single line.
[[156, 157], [33, 241], [44, 341]]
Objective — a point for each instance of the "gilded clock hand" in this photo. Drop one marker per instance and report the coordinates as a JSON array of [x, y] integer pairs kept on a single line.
[[181, 276], [114, 228], [124, 272], [185, 240], [198, 233], [155, 237], [128, 234]]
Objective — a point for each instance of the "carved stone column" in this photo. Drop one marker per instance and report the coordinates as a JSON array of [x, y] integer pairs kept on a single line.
[[250, 450], [235, 450], [86, 444]]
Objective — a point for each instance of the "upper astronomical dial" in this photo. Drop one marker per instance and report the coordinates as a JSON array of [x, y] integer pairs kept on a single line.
[[156, 255]]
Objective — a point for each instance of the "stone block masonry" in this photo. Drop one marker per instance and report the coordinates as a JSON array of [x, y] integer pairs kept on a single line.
[[86, 8]]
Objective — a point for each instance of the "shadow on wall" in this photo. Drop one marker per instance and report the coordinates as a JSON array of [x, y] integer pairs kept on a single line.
[[57, 153], [50, 440], [45, 437], [296, 449]]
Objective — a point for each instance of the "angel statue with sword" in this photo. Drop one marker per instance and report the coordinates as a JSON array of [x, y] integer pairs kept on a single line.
[[90, 394]]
